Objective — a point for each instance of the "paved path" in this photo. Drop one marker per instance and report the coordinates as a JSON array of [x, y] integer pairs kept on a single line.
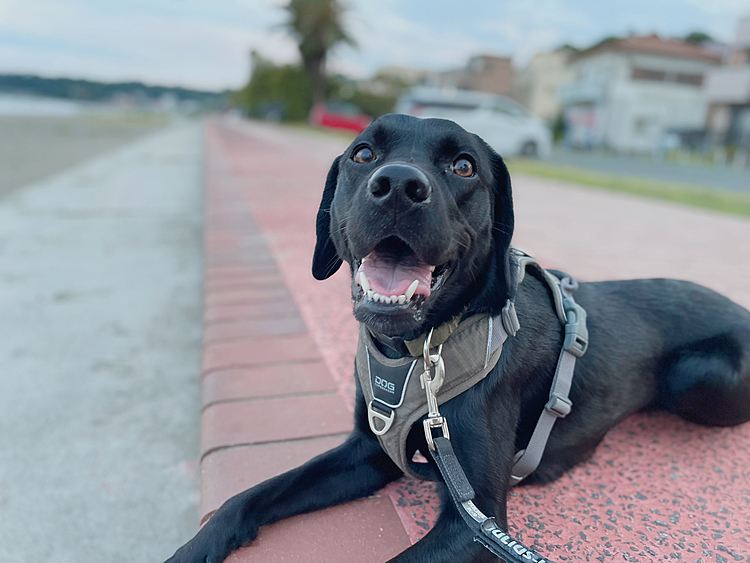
[[99, 355], [657, 487]]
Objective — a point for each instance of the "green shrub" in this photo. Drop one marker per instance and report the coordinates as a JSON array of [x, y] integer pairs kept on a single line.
[[287, 88]]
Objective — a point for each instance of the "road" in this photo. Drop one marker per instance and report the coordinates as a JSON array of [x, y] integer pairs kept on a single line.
[[719, 177], [100, 276]]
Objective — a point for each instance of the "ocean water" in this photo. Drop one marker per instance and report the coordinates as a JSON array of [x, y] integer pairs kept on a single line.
[[19, 105]]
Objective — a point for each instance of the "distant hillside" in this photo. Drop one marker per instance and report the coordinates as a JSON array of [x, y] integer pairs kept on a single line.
[[101, 91]]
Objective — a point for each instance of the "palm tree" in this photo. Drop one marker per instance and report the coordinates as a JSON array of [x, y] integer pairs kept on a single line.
[[317, 27]]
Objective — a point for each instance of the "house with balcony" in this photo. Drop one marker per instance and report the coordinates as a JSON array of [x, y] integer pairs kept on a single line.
[[628, 94], [728, 94]]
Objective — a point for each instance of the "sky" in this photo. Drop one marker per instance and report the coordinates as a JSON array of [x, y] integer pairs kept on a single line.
[[205, 44]]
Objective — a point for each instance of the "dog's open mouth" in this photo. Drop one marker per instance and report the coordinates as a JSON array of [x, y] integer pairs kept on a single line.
[[392, 274]]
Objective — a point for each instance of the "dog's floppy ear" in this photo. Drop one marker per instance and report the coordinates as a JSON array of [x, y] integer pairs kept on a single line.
[[503, 218], [326, 260]]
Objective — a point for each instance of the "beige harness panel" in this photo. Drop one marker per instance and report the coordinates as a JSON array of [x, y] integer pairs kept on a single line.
[[469, 355]]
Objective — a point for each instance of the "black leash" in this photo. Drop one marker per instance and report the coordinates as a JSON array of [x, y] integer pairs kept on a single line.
[[485, 529]]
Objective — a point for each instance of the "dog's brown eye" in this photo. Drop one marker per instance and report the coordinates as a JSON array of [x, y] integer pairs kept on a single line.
[[364, 155], [463, 168]]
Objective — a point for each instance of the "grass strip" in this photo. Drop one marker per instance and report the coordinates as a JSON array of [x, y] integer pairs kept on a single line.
[[726, 201]]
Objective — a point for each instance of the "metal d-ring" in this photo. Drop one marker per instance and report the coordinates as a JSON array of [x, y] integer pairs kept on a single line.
[[387, 420]]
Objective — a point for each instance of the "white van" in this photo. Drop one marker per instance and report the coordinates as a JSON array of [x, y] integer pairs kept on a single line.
[[504, 124]]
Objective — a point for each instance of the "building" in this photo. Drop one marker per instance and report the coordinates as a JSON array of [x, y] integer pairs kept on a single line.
[[407, 75], [728, 94], [483, 73], [537, 84], [391, 81], [628, 94]]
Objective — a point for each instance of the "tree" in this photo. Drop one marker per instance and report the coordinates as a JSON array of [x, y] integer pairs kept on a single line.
[[317, 27], [698, 37], [276, 92]]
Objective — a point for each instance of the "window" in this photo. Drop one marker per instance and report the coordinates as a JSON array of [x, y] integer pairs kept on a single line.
[[647, 74], [691, 79], [644, 125]]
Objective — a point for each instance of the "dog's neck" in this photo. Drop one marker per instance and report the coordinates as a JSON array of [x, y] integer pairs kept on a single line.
[[412, 345], [393, 347]]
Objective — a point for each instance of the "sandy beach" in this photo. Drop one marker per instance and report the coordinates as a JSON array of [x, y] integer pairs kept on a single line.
[[34, 147]]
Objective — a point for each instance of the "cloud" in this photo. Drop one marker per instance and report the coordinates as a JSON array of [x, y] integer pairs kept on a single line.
[[385, 36], [734, 8], [206, 44], [389, 33], [194, 45]]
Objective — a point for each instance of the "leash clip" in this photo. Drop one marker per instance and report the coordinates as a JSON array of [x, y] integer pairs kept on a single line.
[[429, 424], [431, 380]]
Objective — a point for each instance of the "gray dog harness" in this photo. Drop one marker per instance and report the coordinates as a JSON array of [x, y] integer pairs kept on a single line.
[[394, 389]]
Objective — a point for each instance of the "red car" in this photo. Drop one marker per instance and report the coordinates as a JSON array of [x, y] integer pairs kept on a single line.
[[339, 115]]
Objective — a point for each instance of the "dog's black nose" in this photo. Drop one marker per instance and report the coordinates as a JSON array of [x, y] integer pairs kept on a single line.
[[400, 181]]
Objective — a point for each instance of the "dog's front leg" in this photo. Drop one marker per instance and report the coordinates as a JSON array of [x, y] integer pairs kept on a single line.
[[355, 469], [484, 445], [450, 540]]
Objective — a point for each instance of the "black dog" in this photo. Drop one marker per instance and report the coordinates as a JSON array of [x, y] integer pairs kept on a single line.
[[425, 200]]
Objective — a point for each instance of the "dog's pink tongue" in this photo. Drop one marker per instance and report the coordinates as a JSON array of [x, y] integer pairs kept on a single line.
[[388, 278]]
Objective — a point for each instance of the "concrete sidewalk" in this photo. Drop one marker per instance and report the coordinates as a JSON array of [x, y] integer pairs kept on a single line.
[[657, 488], [100, 285]]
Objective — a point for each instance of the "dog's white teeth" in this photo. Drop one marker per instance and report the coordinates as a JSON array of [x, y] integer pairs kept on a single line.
[[363, 282], [387, 299], [412, 288], [432, 268]]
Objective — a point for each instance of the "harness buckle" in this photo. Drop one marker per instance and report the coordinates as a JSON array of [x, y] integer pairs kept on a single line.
[[559, 406], [576, 333]]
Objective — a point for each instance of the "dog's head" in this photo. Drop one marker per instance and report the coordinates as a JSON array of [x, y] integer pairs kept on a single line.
[[422, 212]]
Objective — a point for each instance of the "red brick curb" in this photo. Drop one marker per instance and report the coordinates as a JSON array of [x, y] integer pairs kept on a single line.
[[269, 401]]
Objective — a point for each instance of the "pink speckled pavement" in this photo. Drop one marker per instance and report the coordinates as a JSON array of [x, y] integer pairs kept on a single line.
[[657, 488]]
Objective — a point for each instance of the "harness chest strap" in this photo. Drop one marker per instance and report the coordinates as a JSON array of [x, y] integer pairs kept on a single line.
[[395, 398]]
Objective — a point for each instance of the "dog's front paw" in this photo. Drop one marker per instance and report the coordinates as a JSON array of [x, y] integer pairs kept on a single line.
[[213, 543]]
